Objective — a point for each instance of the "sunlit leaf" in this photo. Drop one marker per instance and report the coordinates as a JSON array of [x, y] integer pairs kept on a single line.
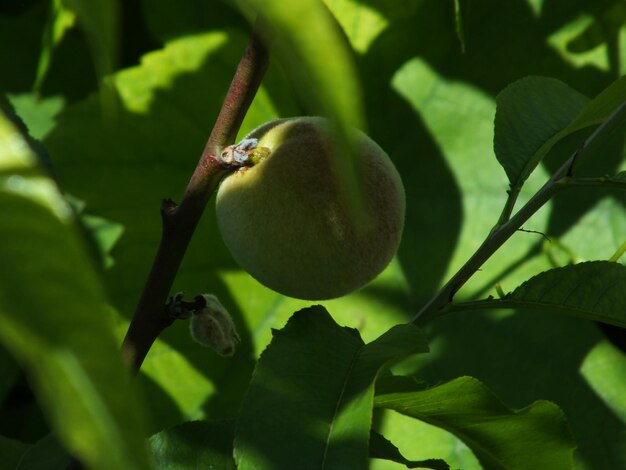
[[308, 42], [193, 445], [309, 404], [501, 438], [535, 113], [604, 369], [60, 19], [595, 290], [9, 372], [382, 448], [360, 22], [37, 113], [53, 317]]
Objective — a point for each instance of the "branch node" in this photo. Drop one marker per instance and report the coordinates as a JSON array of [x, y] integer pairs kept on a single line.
[[168, 207], [180, 309]]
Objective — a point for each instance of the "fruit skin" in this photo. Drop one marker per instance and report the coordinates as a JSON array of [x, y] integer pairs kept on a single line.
[[284, 222]]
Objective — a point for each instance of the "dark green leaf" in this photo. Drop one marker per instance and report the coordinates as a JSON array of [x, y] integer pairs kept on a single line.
[[620, 177], [46, 454], [53, 317], [531, 115], [99, 21], [102, 234], [535, 113], [501, 438], [11, 452], [9, 371], [382, 448], [595, 290], [166, 20], [309, 404], [598, 109], [194, 445]]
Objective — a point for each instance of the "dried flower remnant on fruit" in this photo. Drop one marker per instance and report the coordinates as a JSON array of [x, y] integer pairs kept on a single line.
[[245, 153], [213, 326], [286, 223]]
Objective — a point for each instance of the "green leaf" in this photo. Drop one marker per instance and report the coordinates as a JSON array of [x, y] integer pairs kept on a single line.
[[46, 454], [99, 21], [105, 234], [458, 21], [501, 438], [60, 19], [594, 290], [193, 445], [11, 452], [38, 113], [360, 22], [316, 55], [382, 448], [531, 116], [405, 432], [604, 370], [535, 113], [600, 107], [53, 314], [310, 45], [309, 404], [20, 42], [9, 372], [620, 177]]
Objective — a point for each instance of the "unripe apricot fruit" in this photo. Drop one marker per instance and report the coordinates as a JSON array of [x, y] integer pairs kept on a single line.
[[284, 219]]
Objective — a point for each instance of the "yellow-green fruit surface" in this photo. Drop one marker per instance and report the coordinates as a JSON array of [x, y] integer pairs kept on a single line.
[[284, 221]]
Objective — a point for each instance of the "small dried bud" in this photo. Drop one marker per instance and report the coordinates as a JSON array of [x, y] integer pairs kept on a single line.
[[244, 154], [213, 326]]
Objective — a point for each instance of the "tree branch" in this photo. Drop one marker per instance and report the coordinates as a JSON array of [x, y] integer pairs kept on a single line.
[[179, 222], [503, 231]]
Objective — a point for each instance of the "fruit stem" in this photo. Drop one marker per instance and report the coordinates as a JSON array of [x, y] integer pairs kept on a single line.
[[179, 222]]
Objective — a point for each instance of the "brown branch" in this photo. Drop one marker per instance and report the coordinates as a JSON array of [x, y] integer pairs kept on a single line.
[[179, 222]]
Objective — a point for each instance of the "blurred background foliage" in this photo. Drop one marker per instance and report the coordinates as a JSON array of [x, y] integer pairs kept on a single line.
[[124, 105]]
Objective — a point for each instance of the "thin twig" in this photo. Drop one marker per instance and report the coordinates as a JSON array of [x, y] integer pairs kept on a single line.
[[179, 222], [537, 232], [502, 232]]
